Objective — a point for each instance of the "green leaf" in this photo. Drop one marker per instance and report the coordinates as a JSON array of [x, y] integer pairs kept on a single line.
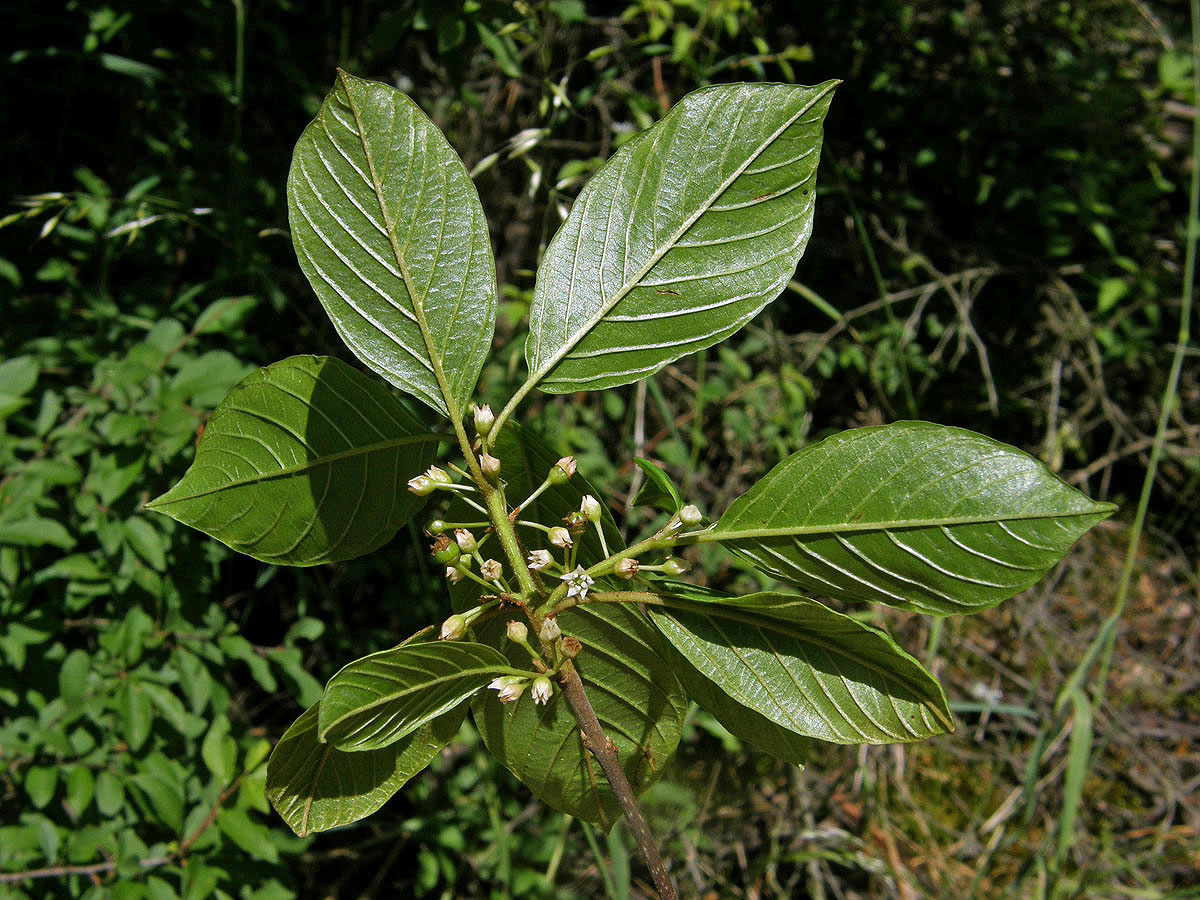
[[914, 515], [388, 228], [224, 314], [770, 663], [681, 238], [374, 701], [304, 462], [637, 699], [658, 491], [315, 786], [36, 533]]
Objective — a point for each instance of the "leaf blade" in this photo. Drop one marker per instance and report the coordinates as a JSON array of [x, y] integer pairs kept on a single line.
[[914, 515], [315, 786], [381, 698], [304, 462], [802, 667], [389, 231], [746, 150]]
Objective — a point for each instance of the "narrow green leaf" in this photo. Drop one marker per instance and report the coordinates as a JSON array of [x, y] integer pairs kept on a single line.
[[315, 787], [389, 230], [681, 238], [375, 701], [802, 667], [304, 462], [658, 491], [914, 515]]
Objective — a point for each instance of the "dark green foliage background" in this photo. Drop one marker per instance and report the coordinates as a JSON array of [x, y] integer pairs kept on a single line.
[[144, 670]]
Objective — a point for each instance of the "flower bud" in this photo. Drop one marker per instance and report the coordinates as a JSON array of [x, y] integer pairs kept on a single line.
[[490, 569], [590, 507], [673, 565], [538, 560], [562, 470], [421, 485], [438, 476], [454, 628], [454, 574], [542, 690], [444, 550], [626, 568], [437, 526], [464, 539], [550, 632], [517, 632], [690, 515], [559, 536], [490, 466], [484, 420]]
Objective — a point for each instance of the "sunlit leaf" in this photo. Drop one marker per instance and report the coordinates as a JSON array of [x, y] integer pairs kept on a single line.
[[389, 230], [681, 238], [800, 666], [379, 699], [914, 515]]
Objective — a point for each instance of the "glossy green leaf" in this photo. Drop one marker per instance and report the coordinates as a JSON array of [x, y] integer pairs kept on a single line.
[[800, 666], [388, 229], [632, 687], [681, 238], [315, 786], [304, 462], [375, 701], [658, 491], [914, 515]]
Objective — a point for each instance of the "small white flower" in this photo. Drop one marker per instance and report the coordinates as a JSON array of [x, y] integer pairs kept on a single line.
[[550, 632], [538, 560], [465, 540], [491, 569], [453, 574], [509, 687], [542, 690], [559, 536], [484, 419], [490, 466], [578, 583]]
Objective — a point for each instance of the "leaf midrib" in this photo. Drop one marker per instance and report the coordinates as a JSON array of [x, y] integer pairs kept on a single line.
[[417, 301], [890, 525], [573, 340]]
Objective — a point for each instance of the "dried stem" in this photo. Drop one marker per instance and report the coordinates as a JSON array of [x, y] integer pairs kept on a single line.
[[605, 752]]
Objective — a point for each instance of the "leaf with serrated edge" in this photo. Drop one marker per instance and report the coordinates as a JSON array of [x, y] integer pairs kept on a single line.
[[315, 786], [681, 238], [919, 516], [802, 666], [304, 462], [388, 228], [377, 700]]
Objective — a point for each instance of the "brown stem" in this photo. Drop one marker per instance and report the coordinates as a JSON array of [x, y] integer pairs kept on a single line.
[[605, 752]]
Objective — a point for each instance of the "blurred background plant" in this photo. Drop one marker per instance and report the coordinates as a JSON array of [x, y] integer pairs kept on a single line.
[[999, 244]]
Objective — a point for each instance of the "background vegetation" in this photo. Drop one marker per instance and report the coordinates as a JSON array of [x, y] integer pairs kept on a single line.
[[998, 245]]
